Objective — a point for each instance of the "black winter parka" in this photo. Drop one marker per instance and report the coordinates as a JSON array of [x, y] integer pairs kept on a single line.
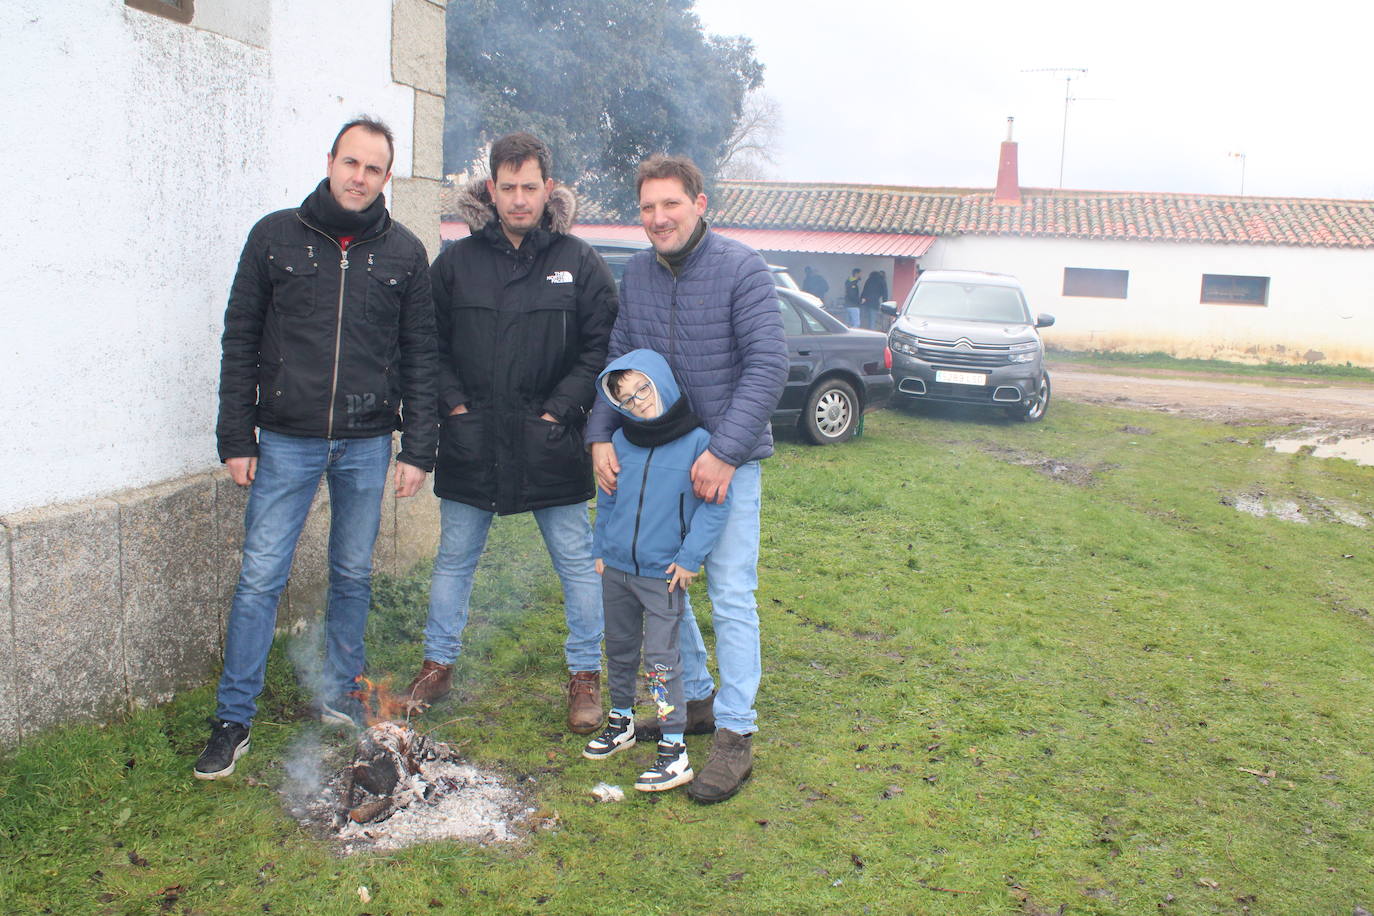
[[322, 344], [522, 332]]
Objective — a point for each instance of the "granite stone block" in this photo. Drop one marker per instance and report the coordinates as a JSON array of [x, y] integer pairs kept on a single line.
[[415, 204], [167, 557], [308, 584], [417, 527], [9, 705], [67, 614], [231, 500], [418, 45], [429, 136]]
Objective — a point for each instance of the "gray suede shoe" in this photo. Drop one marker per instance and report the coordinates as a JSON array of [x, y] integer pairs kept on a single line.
[[701, 720]]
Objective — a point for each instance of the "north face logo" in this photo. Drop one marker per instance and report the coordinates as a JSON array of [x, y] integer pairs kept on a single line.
[[560, 276]]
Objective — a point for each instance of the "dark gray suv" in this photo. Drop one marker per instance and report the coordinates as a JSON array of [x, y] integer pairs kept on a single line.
[[968, 337]]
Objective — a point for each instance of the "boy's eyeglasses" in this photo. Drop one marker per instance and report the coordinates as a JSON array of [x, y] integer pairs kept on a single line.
[[639, 394]]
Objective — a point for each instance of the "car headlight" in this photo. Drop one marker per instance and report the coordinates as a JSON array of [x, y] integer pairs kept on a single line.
[[902, 343], [1024, 352]]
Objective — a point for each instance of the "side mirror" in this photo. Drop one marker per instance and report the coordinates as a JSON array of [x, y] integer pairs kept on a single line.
[[888, 307], [1043, 321]]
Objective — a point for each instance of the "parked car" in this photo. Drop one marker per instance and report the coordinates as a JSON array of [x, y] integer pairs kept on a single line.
[[968, 337], [836, 373]]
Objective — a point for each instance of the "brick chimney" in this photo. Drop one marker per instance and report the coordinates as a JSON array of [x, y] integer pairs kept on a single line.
[[1008, 185]]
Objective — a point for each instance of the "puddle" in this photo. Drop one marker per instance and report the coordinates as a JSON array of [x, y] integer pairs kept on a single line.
[[1301, 510], [1359, 449]]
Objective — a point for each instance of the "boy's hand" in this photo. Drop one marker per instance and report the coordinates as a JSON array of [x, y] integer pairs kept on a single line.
[[679, 577], [600, 567]]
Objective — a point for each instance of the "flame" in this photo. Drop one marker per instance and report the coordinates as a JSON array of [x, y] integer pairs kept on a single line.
[[380, 704]]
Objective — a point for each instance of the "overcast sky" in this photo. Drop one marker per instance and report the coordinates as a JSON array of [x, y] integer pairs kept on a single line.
[[898, 92]]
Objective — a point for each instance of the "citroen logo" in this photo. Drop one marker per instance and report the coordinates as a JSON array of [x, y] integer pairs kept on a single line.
[[963, 343]]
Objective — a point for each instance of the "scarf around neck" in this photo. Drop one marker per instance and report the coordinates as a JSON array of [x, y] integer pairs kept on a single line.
[[322, 209]]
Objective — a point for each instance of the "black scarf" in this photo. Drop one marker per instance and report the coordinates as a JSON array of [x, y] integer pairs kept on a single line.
[[674, 423], [675, 260], [324, 211]]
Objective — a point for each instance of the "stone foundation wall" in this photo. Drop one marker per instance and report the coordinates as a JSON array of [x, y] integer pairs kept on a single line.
[[115, 603]]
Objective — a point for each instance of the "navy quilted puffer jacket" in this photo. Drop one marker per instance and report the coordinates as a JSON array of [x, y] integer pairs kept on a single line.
[[719, 327]]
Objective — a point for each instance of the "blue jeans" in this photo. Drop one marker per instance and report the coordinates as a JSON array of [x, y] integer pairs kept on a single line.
[[853, 313], [732, 576], [568, 537], [289, 469]]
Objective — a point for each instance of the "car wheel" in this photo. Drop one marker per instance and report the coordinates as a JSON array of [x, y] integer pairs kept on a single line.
[[1033, 411], [831, 414]]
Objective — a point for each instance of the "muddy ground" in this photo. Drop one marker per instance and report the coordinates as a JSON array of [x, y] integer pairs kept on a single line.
[[1346, 408]]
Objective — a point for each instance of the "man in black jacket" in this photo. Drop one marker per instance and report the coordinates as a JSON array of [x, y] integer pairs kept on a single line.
[[524, 313], [329, 331]]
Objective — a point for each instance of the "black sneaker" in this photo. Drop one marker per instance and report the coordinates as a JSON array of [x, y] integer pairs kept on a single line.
[[670, 769], [345, 710], [228, 742], [618, 734]]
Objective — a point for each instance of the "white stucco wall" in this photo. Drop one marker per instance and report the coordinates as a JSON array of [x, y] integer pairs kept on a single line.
[[147, 150], [1321, 300]]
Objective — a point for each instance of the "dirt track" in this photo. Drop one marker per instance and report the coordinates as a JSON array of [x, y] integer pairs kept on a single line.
[[1347, 408]]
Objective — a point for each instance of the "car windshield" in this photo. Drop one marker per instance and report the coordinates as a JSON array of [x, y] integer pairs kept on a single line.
[[968, 302]]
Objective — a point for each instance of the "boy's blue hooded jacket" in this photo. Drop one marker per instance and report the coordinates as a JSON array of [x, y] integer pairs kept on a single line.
[[653, 519]]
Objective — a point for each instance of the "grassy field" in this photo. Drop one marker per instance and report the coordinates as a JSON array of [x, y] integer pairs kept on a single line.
[[1009, 669], [1108, 360]]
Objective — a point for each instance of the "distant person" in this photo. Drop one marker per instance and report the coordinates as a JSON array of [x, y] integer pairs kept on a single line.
[[323, 386], [652, 535], [815, 284], [852, 298], [524, 311], [873, 296]]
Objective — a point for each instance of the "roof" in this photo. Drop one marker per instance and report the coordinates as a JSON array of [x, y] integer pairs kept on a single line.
[[870, 243], [834, 210]]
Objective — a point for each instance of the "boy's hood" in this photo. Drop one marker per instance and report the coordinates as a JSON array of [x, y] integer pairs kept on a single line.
[[660, 376]]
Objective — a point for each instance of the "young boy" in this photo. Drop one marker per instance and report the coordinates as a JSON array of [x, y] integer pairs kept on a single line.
[[651, 537]]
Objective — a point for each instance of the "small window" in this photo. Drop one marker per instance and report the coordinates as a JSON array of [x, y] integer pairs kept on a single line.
[[177, 10], [1098, 284], [1224, 289]]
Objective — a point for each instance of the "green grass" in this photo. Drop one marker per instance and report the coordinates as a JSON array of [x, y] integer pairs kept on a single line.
[[1112, 359], [1008, 668]]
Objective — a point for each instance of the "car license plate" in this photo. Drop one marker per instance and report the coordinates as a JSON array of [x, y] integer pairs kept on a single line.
[[960, 378]]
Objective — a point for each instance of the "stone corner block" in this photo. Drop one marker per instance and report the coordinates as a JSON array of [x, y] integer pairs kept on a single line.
[[429, 136], [167, 561], [9, 705], [68, 638], [415, 204], [418, 45]]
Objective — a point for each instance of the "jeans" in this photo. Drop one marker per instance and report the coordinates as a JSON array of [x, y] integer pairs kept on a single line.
[[853, 313], [568, 537], [732, 576], [288, 474]]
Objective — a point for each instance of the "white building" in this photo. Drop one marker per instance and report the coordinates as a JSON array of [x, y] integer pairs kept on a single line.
[[150, 135]]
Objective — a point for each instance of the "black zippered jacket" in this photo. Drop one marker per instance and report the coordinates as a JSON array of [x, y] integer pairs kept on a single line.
[[322, 344], [522, 332]]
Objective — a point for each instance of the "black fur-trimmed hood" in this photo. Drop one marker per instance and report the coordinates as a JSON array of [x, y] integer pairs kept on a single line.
[[474, 207]]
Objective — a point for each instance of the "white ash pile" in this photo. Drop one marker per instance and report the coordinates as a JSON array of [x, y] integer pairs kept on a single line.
[[402, 788]]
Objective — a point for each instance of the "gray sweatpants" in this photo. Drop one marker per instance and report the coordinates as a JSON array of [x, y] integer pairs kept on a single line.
[[637, 609]]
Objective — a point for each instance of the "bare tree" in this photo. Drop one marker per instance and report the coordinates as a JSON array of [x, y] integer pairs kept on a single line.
[[753, 144]]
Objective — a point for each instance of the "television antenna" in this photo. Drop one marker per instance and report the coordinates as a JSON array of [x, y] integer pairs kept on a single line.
[[1069, 74]]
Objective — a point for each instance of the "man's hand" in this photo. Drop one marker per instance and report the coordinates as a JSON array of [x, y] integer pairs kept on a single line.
[[600, 567], [242, 470], [711, 477], [679, 577], [606, 467], [408, 479], [548, 416], [461, 408]]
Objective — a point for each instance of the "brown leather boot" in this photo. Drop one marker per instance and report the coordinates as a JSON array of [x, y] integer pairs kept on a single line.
[[584, 702], [731, 762], [432, 683]]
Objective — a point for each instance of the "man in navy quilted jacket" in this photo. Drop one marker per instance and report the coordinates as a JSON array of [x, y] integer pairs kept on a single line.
[[707, 304]]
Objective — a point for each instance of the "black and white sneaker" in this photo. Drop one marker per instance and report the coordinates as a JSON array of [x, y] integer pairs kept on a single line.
[[670, 769], [228, 742], [618, 734], [345, 710]]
